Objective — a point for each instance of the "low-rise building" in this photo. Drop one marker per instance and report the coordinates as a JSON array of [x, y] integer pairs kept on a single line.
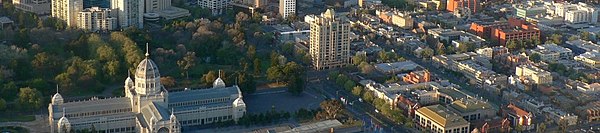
[[539, 76], [437, 118], [582, 46], [590, 112], [396, 67], [506, 31], [552, 52], [591, 59], [417, 77], [559, 116], [473, 109], [450, 36], [5, 23], [518, 117], [492, 52]]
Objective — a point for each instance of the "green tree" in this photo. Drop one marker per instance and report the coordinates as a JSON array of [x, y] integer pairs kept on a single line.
[[246, 82], [349, 85], [209, 77], [512, 45], [541, 128], [585, 36], [296, 85], [257, 65], [251, 52], [359, 58], [368, 96], [330, 109], [188, 61], [275, 73], [2, 104], [427, 52], [287, 48], [573, 38], [535, 57], [357, 90], [30, 98], [556, 38]]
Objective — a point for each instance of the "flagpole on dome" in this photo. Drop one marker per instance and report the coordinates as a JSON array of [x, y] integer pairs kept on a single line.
[[147, 53]]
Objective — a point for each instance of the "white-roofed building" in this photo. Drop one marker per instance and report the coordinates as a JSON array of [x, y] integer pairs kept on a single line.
[[148, 106]]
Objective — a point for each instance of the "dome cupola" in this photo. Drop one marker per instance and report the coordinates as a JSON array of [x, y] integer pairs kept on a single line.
[[147, 76]]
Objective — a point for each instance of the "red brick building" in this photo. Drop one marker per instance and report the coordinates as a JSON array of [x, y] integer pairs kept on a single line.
[[417, 77], [518, 116], [473, 5], [503, 32]]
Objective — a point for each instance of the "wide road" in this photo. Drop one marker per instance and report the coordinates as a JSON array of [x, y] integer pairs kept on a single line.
[[318, 80]]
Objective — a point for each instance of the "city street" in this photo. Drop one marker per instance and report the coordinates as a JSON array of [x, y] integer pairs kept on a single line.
[[361, 110]]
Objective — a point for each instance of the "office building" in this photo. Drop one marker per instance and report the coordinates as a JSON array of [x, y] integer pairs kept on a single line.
[[148, 107], [95, 19], [216, 7], [67, 10], [130, 12], [438, 119], [287, 8], [472, 5], [537, 75], [329, 41], [506, 31], [39, 7]]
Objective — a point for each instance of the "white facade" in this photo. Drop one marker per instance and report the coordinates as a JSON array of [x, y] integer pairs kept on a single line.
[[329, 41], [129, 12], [67, 10], [156, 5], [217, 7], [95, 18], [578, 13], [287, 8]]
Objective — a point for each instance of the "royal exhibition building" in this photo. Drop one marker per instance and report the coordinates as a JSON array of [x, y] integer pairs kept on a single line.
[[148, 107]]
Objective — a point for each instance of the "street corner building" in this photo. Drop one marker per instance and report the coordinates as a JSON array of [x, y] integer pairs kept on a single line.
[[148, 107]]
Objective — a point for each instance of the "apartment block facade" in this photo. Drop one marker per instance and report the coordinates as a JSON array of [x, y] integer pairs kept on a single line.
[[329, 41]]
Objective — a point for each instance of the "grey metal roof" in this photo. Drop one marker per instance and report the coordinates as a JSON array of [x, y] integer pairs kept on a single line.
[[198, 94], [155, 110], [94, 105], [203, 106]]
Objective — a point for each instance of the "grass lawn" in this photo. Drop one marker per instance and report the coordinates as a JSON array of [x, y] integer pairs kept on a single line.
[[17, 118], [13, 130]]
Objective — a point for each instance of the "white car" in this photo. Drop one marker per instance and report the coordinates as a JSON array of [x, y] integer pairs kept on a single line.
[[377, 111]]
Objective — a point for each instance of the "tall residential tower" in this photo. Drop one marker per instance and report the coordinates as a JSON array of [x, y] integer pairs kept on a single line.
[[329, 41], [287, 8], [67, 10], [130, 12]]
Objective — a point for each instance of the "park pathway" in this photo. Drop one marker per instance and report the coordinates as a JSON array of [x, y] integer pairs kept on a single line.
[[39, 125]]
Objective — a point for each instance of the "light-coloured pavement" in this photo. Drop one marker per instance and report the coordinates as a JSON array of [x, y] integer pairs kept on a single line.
[[39, 125]]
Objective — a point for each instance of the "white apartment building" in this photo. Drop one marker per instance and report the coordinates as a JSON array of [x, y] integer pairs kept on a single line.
[[156, 5], [130, 12], [67, 10], [95, 18], [578, 13], [39, 7], [215, 6], [537, 75], [287, 8], [329, 41]]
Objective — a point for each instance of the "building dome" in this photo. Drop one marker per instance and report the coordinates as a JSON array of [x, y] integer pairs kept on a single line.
[[57, 99], [147, 77], [219, 83], [64, 124]]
